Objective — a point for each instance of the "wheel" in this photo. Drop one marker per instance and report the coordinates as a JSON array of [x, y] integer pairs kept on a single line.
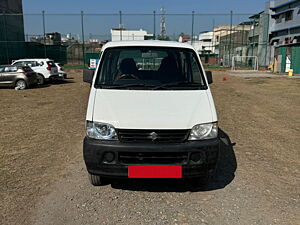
[[97, 180], [40, 79], [21, 85]]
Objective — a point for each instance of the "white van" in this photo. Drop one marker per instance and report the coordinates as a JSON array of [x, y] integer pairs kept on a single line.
[[150, 114]]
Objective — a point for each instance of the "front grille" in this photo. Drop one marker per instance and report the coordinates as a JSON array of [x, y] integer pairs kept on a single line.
[[127, 135], [153, 157]]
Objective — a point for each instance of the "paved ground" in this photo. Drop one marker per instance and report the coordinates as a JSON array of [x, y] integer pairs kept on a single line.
[[43, 179]]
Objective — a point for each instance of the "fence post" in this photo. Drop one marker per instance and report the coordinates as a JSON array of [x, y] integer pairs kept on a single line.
[[5, 37], [44, 31], [192, 38], [120, 26], [231, 14], [213, 37], [83, 44], [154, 22]]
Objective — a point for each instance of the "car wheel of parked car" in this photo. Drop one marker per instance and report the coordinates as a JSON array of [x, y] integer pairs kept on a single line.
[[21, 84], [97, 180], [40, 79]]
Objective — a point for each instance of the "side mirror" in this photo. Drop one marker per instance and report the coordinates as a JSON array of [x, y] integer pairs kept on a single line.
[[209, 77], [88, 75]]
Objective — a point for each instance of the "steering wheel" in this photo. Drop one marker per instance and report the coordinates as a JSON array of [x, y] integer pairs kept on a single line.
[[122, 76]]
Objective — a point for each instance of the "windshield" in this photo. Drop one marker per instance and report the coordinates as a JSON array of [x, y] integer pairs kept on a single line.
[[150, 68]]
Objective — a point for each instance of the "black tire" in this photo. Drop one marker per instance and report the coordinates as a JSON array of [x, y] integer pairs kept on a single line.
[[40, 79], [21, 84], [97, 180]]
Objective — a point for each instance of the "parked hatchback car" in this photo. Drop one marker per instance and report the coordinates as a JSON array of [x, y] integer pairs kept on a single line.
[[45, 68], [21, 77], [150, 114], [61, 71]]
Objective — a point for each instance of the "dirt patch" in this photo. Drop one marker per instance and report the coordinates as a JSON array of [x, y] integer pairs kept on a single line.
[[43, 179]]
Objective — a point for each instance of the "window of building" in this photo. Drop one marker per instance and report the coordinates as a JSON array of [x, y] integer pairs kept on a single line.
[[288, 15], [278, 19]]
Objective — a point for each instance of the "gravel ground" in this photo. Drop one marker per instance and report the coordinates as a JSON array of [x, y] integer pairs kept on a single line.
[[43, 178], [260, 74]]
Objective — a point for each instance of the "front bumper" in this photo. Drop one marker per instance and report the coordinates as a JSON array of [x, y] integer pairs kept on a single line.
[[126, 154]]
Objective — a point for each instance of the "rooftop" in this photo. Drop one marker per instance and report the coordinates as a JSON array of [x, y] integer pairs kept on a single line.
[[283, 4]]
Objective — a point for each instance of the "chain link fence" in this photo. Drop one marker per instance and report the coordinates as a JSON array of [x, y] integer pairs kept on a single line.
[[67, 38]]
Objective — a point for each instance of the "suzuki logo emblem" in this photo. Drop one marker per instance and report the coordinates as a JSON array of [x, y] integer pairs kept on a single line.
[[153, 136]]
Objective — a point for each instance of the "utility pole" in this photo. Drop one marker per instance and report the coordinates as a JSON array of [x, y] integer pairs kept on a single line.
[[163, 23]]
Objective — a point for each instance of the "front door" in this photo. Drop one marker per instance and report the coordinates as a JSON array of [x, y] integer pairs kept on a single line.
[[8, 75]]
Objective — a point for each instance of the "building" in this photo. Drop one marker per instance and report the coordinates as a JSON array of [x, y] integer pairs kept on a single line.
[[12, 38], [204, 44], [226, 30], [49, 39], [11, 31], [285, 35], [184, 38], [287, 23], [229, 41], [261, 25], [121, 34]]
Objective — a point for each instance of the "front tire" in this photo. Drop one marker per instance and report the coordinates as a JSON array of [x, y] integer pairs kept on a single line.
[[21, 85], [97, 180]]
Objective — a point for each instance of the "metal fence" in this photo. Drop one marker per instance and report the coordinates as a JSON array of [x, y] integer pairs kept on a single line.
[[68, 37]]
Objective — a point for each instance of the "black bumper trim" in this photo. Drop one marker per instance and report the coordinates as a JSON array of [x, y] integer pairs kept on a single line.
[[93, 156]]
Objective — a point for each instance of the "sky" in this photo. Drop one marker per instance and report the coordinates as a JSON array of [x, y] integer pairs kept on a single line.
[[96, 26]]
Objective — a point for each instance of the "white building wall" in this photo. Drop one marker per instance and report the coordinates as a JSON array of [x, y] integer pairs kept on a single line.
[[204, 43], [128, 35]]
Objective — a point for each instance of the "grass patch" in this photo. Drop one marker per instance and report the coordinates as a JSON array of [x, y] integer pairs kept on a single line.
[[75, 67]]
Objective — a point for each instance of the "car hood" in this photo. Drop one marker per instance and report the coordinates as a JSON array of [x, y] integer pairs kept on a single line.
[[140, 109]]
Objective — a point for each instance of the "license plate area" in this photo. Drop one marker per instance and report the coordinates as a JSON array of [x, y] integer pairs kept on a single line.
[[154, 171]]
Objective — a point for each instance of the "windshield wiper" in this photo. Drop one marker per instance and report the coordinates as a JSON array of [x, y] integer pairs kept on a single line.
[[180, 84]]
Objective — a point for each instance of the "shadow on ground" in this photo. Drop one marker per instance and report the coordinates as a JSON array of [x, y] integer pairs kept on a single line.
[[65, 81], [224, 175]]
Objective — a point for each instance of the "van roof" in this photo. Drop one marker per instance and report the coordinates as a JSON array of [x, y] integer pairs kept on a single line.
[[152, 43]]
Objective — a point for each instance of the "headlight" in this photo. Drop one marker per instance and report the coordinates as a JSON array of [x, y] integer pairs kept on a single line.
[[204, 131], [101, 131]]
